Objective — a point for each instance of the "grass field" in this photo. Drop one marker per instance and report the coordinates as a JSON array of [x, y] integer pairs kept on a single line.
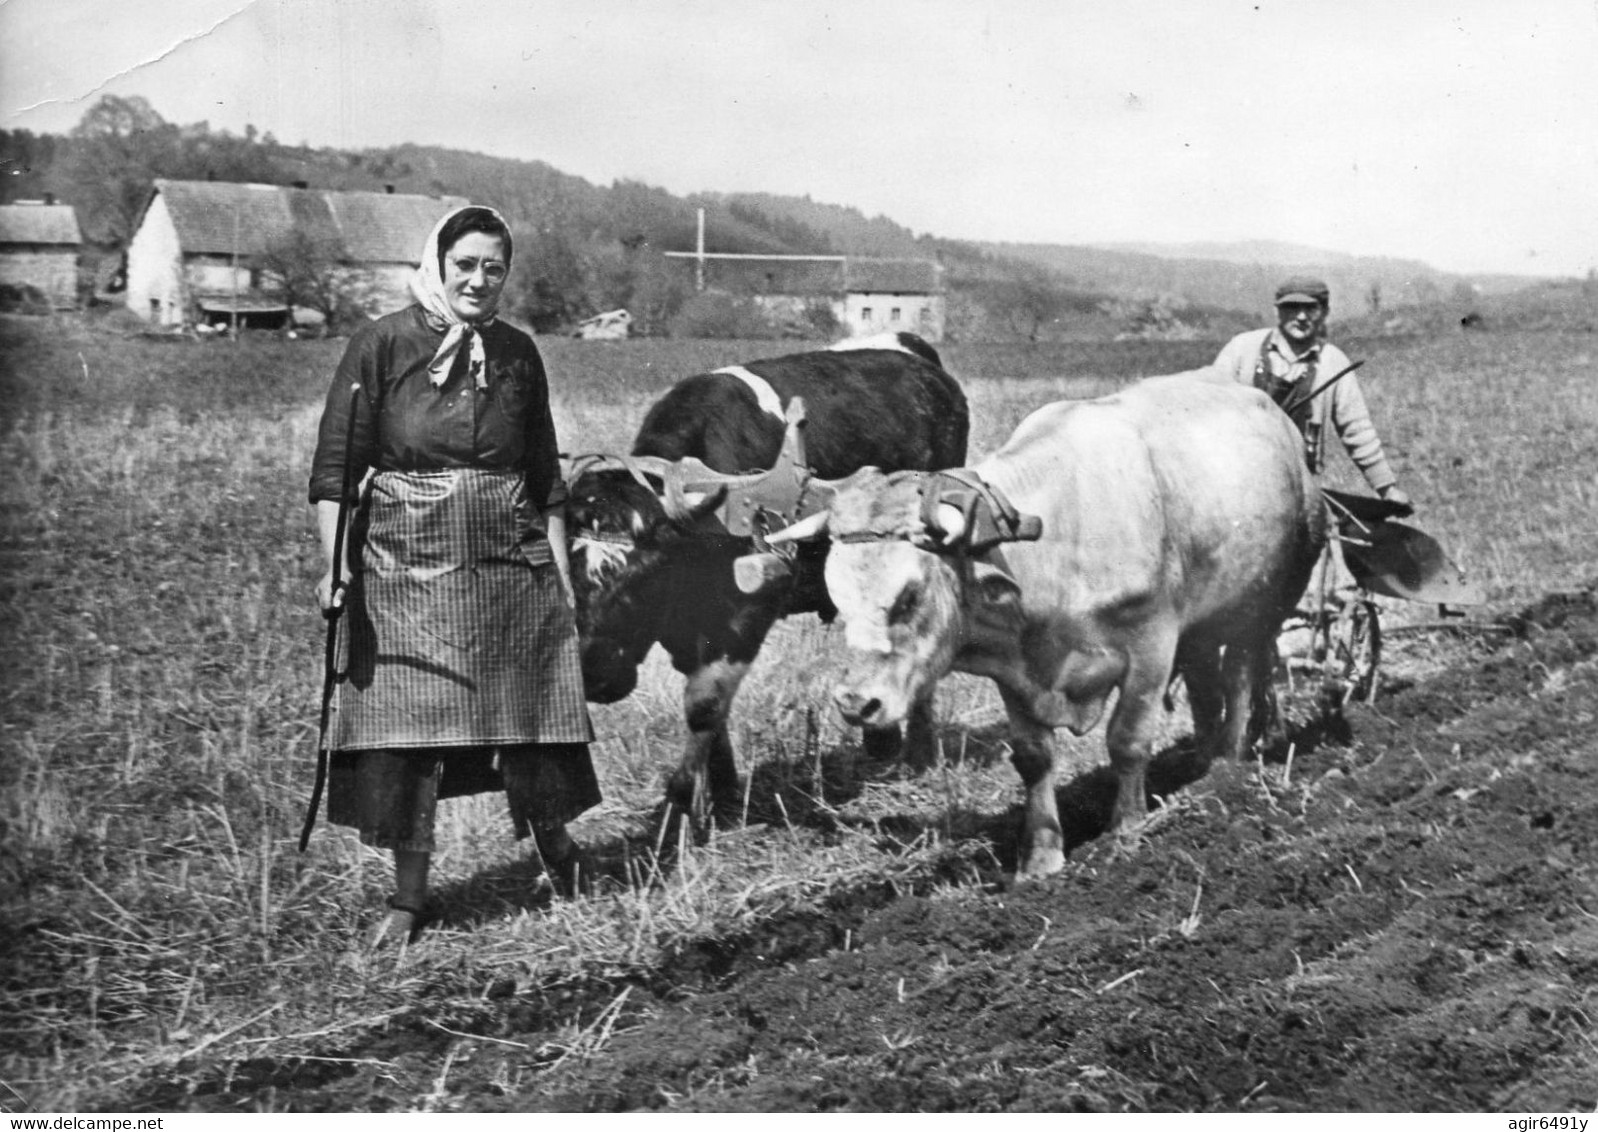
[[161, 672]]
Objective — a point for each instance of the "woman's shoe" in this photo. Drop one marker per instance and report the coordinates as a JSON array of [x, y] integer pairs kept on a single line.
[[400, 927], [569, 868], [572, 875]]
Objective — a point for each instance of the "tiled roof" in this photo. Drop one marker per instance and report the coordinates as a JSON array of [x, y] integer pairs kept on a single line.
[[369, 227], [387, 228], [904, 276], [39, 224], [828, 276], [777, 276]]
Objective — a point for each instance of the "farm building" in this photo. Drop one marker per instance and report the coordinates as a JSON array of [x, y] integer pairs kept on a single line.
[[865, 295], [893, 294], [39, 248], [202, 250]]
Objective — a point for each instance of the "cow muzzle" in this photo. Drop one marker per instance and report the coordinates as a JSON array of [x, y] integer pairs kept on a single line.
[[608, 675], [858, 708]]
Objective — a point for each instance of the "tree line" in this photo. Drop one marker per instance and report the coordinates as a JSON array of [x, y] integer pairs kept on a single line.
[[581, 248]]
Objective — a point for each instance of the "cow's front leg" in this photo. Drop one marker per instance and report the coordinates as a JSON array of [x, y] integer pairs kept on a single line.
[[706, 781], [920, 732], [1042, 848]]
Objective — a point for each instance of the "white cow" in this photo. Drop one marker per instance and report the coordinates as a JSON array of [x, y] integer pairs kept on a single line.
[[1179, 525]]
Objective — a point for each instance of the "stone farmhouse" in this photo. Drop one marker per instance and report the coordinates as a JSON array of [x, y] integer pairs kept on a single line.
[[866, 295], [198, 252], [893, 294], [39, 248]]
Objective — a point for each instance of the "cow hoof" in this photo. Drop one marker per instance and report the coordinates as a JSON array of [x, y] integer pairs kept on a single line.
[[1040, 863], [1127, 835]]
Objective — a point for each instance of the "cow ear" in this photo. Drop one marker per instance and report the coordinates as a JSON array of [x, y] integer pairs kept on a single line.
[[993, 586]]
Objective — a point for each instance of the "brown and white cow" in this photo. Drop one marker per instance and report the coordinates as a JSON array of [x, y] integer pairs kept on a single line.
[[1179, 525]]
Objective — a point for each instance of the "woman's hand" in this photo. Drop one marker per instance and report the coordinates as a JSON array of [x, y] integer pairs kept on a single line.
[[327, 597], [327, 524], [555, 527]]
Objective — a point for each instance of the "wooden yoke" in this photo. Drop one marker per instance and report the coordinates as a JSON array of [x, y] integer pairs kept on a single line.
[[717, 505], [754, 506]]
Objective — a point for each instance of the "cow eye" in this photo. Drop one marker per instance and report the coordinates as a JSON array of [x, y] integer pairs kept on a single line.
[[904, 605]]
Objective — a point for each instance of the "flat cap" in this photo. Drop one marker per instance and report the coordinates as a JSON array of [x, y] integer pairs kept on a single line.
[[1303, 289]]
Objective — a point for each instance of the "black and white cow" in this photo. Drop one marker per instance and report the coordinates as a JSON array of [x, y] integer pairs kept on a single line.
[[642, 578]]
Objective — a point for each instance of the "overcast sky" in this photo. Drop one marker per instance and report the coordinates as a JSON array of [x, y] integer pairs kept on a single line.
[[1463, 133]]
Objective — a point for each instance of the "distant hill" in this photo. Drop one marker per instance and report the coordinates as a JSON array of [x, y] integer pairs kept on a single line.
[[1238, 251], [1243, 276], [590, 248], [1277, 252]]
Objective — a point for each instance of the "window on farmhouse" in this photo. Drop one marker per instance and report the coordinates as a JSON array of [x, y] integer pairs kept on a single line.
[[893, 315], [865, 314]]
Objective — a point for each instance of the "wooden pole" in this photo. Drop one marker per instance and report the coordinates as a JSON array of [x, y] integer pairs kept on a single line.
[[699, 248], [235, 271]]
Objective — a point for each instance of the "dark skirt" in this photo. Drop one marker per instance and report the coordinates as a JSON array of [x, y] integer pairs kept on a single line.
[[391, 796]]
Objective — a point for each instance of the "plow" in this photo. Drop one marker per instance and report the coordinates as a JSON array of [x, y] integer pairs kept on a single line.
[[1337, 630]]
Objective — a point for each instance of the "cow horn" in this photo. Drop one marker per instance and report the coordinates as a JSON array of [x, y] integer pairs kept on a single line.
[[810, 527], [951, 521], [699, 504]]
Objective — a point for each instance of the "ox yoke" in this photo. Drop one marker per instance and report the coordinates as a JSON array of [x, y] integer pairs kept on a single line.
[[1169, 509]]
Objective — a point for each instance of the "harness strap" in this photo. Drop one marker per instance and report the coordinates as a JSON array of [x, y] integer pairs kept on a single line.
[[990, 517], [1281, 390], [601, 461]]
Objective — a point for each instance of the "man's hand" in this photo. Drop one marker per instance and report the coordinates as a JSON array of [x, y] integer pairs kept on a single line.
[[1396, 496]]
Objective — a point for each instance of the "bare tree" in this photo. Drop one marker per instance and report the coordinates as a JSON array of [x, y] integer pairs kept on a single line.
[[314, 274]]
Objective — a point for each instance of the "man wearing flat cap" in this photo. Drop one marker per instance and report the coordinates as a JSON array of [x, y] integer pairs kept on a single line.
[[1293, 362]]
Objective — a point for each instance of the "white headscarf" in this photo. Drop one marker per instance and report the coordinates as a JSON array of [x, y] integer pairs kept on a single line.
[[427, 287]]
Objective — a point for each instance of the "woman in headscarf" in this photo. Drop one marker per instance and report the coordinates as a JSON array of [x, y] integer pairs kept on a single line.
[[462, 672]]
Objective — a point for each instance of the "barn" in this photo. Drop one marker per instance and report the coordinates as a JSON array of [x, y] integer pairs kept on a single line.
[[203, 251], [39, 248]]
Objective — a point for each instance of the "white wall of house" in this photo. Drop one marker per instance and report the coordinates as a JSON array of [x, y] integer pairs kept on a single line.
[[155, 275], [215, 274], [866, 312], [53, 270]]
